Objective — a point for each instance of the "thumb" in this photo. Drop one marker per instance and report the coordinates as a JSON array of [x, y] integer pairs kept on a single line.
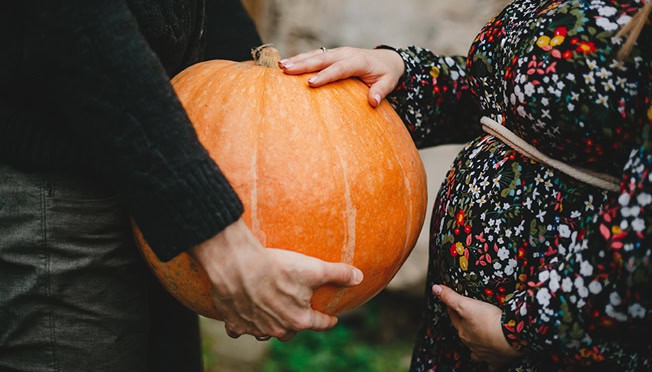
[[448, 296], [340, 274], [379, 91]]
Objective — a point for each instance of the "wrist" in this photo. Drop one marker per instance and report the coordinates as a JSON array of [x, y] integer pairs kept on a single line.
[[226, 252], [393, 57]]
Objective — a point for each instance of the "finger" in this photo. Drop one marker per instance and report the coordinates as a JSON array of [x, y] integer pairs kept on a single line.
[[449, 297], [321, 321], [337, 274], [475, 357], [455, 318], [231, 333], [380, 90], [287, 337], [339, 70], [301, 57], [310, 64], [339, 63], [331, 55]]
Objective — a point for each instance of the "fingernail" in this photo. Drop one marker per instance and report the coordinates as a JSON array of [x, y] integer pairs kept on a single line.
[[313, 79], [357, 276], [285, 63], [436, 289], [377, 99]]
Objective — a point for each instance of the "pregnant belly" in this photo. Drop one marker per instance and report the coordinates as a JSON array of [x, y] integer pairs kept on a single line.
[[498, 216]]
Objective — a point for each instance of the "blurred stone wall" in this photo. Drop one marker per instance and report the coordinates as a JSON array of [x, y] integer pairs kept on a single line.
[[295, 26]]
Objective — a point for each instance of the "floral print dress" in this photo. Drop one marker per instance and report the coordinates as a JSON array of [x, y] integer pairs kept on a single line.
[[567, 262]]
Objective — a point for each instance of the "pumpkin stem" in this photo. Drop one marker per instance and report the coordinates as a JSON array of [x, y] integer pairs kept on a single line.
[[266, 55]]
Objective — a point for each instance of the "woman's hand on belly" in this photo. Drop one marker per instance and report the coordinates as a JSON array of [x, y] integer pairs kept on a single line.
[[478, 326]]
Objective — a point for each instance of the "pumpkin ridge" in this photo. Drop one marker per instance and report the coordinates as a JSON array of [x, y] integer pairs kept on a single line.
[[255, 220], [382, 132], [406, 198], [350, 212], [339, 296]]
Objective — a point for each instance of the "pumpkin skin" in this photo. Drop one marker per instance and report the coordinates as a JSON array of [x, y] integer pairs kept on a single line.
[[319, 171]]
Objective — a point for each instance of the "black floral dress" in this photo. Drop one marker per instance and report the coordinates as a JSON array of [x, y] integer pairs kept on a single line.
[[568, 263]]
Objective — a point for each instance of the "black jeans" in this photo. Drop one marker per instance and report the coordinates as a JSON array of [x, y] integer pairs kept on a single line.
[[75, 294]]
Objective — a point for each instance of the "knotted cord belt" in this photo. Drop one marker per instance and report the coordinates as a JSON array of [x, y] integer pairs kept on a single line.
[[601, 180]]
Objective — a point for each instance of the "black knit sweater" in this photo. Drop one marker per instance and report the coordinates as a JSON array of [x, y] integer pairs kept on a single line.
[[84, 87]]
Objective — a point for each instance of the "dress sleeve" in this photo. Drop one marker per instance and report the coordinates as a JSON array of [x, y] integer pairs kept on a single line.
[[604, 283], [112, 93], [434, 98]]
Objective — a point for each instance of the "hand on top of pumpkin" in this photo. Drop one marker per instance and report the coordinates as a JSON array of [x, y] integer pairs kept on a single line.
[[380, 69], [267, 292]]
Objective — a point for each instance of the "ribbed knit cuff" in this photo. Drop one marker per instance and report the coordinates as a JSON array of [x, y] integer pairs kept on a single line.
[[197, 205]]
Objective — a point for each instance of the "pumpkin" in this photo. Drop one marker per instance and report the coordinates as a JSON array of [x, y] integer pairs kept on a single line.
[[319, 171]]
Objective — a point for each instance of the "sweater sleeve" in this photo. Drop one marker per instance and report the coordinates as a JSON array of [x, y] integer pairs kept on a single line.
[[603, 283], [434, 98], [113, 93]]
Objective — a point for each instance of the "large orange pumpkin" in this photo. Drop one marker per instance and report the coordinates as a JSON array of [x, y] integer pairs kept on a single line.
[[318, 170]]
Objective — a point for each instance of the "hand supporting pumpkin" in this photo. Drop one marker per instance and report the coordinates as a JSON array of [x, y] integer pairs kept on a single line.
[[478, 326], [267, 292], [380, 69]]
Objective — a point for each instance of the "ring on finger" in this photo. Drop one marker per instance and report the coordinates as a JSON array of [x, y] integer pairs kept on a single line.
[[323, 49], [263, 338]]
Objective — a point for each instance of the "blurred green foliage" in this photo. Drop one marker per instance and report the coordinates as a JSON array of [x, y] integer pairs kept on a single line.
[[355, 344], [377, 337], [336, 350]]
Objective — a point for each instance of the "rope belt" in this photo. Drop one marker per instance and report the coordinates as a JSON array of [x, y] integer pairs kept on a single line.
[[601, 180]]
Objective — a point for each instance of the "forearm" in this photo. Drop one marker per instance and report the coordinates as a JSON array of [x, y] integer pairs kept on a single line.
[[434, 100]]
